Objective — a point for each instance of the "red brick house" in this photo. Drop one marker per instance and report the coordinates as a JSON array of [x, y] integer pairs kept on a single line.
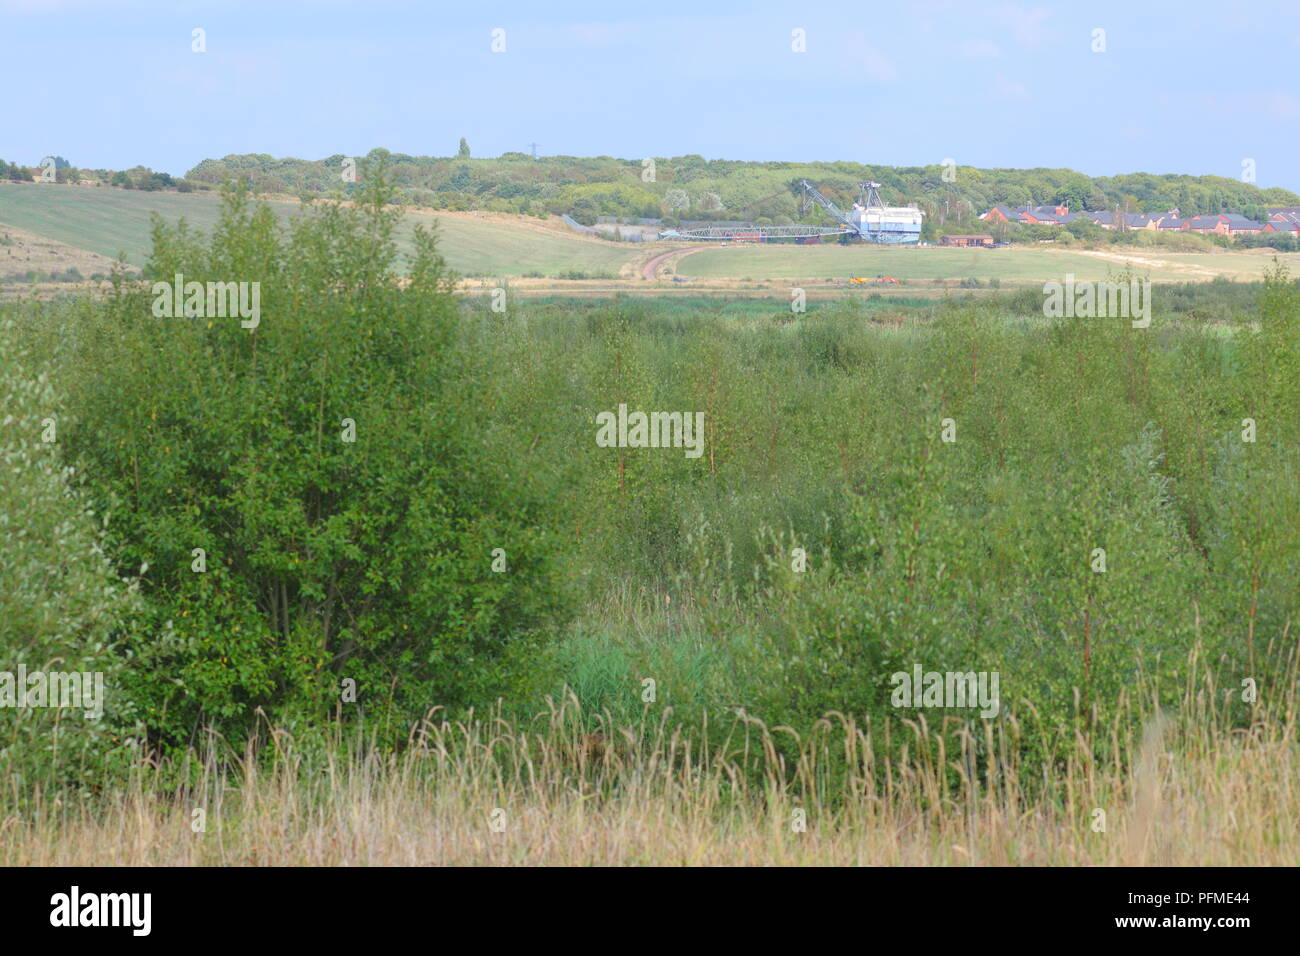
[[999, 214], [1044, 215], [1224, 224], [1204, 224], [1029, 215], [1283, 226], [1240, 225]]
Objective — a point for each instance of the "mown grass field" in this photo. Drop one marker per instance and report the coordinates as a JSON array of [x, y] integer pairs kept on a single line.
[[930, 263], [112, 221], [102, 220]]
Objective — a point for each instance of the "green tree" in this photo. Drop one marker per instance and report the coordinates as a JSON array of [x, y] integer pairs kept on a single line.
[[322, 558], [677, 200], [463, 151], [61, 606]]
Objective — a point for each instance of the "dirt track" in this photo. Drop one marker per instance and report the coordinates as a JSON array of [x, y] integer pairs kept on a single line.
[[651, 269]]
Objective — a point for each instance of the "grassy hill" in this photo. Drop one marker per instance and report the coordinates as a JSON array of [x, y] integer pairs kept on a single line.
[[112, 221], [102, 220]]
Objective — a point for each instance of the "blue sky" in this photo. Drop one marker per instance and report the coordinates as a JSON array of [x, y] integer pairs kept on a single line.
[[1181, 87]]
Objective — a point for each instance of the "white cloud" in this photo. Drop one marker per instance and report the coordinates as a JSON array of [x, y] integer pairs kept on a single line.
[[877, 66], [600, 34], [1026, 24], [1282, 105], [1005, 89], [981, 49], [1133, 130], [855, 56], [1276, 104]]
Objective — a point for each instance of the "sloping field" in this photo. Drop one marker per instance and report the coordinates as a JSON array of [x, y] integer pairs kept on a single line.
[[929, 263], [498, 244], [23, 252], [108, 221], [102, 220], [28, 260]]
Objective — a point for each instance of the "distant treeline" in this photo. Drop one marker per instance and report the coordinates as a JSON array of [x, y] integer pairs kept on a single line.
[[137, 177], [696, 188]]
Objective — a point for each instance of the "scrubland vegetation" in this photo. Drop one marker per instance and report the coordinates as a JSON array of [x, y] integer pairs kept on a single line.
[[649, 678]]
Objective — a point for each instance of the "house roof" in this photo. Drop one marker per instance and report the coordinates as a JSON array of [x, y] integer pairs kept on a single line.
[[1236, 221]]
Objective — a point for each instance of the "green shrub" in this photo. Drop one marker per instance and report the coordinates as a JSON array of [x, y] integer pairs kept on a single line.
[[62, 608], [824, 433], [325, 559]]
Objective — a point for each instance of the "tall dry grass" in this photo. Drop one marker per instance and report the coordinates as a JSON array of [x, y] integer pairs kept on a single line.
[[1189, 790]]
